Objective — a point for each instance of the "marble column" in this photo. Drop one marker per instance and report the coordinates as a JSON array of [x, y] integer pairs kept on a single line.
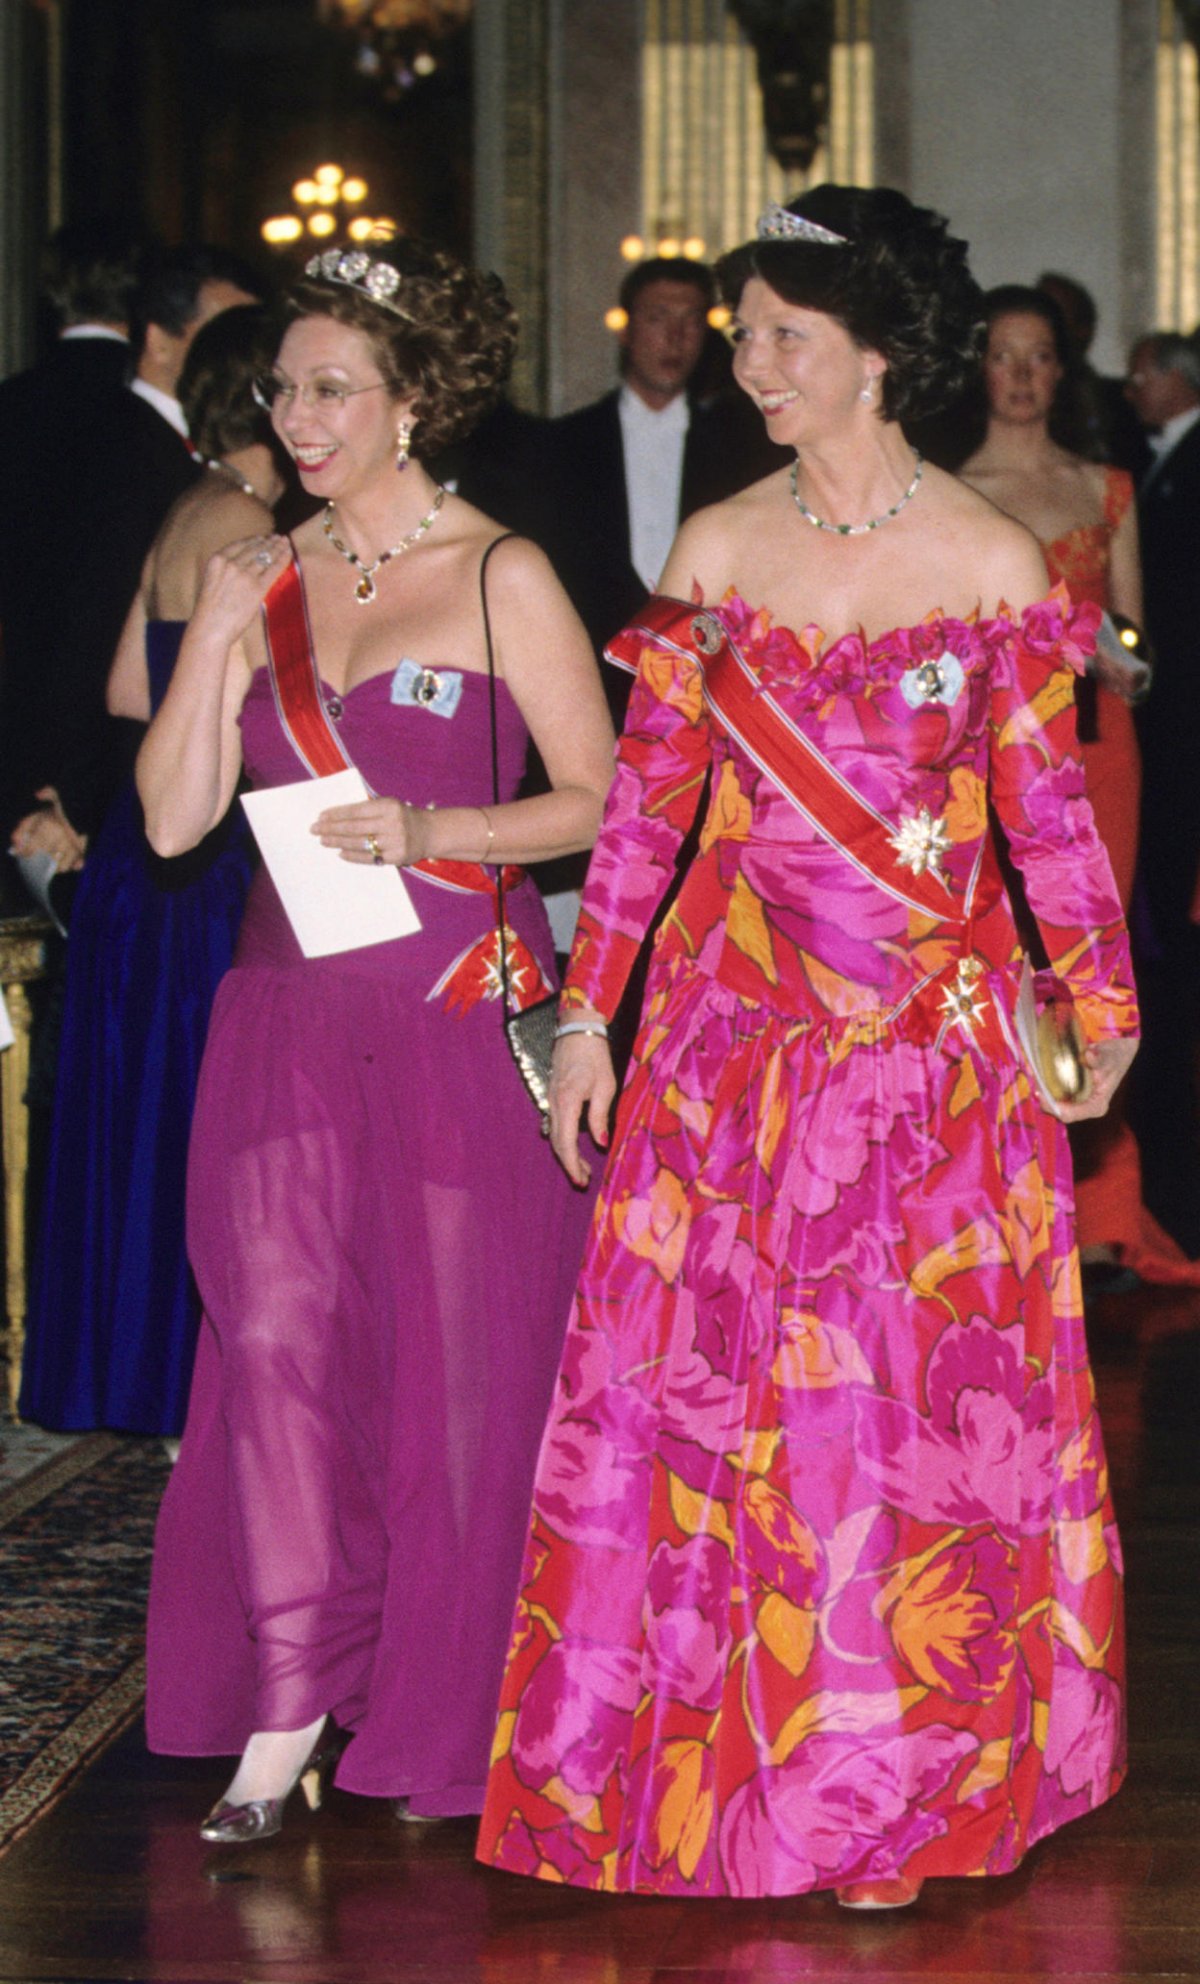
[[30, 163], [511, 171], [1030, 123], [557, 179]]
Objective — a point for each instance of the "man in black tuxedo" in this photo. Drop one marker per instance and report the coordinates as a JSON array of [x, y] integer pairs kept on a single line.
[[94, 452], [1164, 390], [624, 472], [1163, 387], [52, 418]]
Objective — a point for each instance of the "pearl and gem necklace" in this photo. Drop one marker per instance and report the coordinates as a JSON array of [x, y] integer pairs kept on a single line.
[[365, 590], [855, 530]]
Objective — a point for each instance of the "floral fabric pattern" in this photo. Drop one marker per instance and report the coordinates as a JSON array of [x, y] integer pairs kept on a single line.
[[823, 1582]]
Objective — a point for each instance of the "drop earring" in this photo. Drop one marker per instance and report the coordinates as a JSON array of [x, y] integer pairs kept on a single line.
[[403, 442], [867, 394]]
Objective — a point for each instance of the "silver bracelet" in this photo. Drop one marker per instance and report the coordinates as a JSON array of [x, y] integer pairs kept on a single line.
[[597, 1027]]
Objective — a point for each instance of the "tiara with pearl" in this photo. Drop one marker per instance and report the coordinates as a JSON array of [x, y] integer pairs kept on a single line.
[[354, 269], [780, 224]]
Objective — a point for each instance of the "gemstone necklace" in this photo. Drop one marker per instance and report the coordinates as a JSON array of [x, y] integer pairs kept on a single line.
[[855, 530], [365, 590]]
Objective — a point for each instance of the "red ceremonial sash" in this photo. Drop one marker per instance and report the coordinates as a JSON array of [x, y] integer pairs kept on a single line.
[[750, 713], [735, 692], [309, 729]]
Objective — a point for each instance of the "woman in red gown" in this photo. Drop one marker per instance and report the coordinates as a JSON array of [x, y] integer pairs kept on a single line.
[[1084, 516]]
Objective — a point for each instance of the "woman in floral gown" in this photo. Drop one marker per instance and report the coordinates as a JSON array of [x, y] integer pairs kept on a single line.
[[823, 1584]]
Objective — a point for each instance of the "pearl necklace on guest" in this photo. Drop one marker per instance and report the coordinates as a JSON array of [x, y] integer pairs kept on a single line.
[[855, 530], [365, 590], [226, 468]]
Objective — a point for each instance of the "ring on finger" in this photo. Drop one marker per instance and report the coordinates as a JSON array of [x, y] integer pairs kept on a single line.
[[264, 556], [373, 849]]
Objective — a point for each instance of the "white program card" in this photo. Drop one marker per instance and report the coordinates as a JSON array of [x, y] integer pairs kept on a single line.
[[332, 905]]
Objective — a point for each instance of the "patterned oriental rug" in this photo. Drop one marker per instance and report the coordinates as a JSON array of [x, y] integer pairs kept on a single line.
[[76, 1527]]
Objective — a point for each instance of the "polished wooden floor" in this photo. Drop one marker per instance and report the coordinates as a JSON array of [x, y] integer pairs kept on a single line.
[[115, 1883]]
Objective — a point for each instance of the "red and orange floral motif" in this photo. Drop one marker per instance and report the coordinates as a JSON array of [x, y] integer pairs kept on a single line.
[[823, 1583]]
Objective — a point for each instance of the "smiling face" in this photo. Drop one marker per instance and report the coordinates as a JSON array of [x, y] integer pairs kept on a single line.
[[801, 367], [1021, 368], [334, 415]]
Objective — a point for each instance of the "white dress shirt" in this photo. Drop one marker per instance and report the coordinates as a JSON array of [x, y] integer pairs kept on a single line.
[[77, 331], [1167, 439], [163, 403], [653, 443]]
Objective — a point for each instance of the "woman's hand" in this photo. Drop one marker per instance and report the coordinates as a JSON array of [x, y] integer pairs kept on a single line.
[[1108, 1061], [376, 830], [236, 581], [48, 831], [581, 1077]]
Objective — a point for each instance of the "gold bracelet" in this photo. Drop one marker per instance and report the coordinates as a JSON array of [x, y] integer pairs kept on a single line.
[[491, 832]]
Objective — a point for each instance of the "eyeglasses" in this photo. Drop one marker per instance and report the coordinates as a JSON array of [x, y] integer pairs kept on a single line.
[[329, 395]]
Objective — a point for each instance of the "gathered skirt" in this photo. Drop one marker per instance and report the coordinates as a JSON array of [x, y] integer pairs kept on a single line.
[[823, 1582], [385, 1249]]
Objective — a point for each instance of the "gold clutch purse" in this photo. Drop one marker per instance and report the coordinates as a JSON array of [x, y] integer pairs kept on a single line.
[[1053, 1044]]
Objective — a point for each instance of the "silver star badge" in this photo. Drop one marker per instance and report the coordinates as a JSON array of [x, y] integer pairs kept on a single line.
[[958, 1000], [921, 842]]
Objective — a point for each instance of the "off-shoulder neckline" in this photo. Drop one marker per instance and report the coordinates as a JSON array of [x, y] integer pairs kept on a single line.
[[815, 642]]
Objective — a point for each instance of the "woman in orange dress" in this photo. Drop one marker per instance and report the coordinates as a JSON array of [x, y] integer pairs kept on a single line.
[[1084, 516]]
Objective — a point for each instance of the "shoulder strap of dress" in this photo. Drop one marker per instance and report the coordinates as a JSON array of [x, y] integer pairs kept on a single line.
[[1118, 495]]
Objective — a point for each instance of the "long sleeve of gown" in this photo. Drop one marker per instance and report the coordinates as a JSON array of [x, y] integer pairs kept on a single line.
[[1037, 787], [662, 762]]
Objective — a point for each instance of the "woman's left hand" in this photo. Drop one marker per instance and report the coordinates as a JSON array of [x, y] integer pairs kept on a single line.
[[376, 830], [1108, 1060]]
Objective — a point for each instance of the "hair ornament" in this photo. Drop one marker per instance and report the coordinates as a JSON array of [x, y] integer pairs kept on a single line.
[[780, 224], [354, 269]]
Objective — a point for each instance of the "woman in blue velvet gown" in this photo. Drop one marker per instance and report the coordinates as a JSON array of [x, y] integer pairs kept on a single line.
[[113, 1311]]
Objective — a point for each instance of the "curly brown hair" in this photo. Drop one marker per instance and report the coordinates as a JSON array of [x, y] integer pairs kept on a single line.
[[452, 348]]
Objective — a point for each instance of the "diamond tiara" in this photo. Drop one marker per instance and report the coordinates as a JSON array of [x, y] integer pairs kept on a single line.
[[354, 269], [780, 224]]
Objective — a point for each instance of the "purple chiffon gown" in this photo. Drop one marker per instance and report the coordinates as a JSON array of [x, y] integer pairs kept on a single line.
[[386, 1250]]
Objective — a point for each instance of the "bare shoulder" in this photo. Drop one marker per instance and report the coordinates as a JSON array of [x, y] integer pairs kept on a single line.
[[517, 568], [1005, 558], [710, 546], [226, 517]]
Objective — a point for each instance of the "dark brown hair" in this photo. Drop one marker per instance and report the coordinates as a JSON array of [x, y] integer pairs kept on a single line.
[[898, 282], [453, 348], [216, 384]]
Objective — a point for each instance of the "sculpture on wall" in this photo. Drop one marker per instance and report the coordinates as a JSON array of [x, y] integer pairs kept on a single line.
[[793, 42]]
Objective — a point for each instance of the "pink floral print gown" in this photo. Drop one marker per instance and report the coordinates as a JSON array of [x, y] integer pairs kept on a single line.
[[823, 1582]]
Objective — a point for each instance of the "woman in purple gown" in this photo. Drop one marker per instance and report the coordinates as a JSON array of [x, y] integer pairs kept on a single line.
[[113, 1320], [383, 1243]]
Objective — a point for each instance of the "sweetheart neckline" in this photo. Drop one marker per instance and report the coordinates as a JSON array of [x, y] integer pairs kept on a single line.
[[386, 675]]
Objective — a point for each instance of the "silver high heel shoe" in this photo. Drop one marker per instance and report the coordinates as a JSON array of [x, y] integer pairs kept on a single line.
[[262, 1818]]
